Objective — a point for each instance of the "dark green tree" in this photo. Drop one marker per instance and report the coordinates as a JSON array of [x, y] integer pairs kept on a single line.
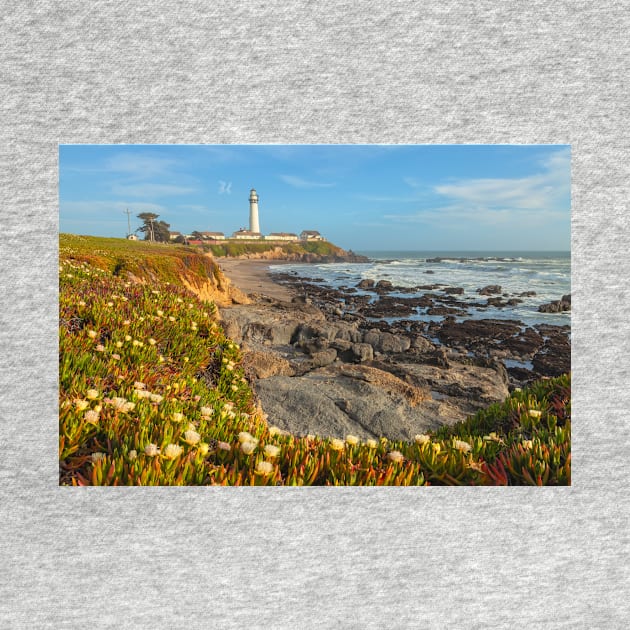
[[153, 229]]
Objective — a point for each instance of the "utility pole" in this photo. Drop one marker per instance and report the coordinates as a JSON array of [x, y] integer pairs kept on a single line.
[[128, 222]]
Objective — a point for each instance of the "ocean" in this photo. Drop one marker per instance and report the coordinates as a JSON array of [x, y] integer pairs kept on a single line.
[[548, 274]]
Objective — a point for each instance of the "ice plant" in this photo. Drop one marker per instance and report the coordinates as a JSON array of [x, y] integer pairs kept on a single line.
[[191, 437], [460, 445], [422, 438], [172, 451], [395, 456], [264, 468], [248, 447], [352, 440], [151, 450], [271, 451], [337, 445]]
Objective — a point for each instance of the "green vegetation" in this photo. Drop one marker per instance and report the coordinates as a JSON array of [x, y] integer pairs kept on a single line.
[[151, 392], [239, 248], [155, 262]]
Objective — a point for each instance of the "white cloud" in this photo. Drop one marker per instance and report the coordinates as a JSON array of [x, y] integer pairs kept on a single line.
[[225, 187], [299, 182], [150, 190]]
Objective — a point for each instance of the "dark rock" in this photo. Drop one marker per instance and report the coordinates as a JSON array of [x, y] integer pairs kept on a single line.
[[383, 286], [366, 283], [558, 306], [490, 289], [454, 290]]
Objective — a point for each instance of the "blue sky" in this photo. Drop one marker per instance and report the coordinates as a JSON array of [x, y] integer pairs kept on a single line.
[[361, 197]]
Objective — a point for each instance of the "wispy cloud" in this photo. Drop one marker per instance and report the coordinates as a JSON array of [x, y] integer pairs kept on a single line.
[[140, 165], [225, 188], [535, 199], [150, 190], [299, 182]]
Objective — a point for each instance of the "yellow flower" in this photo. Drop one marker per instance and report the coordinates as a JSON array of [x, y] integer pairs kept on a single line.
[[271, 450], [191, 437], [127, 337], [171, 318], [421, 438], [81, 404], [534, 413], [92, 334], [132, 454], [151, 450], [119, 344], [177, 416], [171, 451], [264, 468], [371, 443], [91, 394], [204, 448], [337, 445], [395, 456], [528, 444], [160, 313], [353, 440], [152, 341]]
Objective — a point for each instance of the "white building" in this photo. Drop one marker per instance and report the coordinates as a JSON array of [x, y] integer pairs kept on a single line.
[[282, 236], [311, 235], [247, 235]]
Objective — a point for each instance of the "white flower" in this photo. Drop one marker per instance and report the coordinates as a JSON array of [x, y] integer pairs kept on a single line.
[[160, 313], [245, 436], [273, 430], [224, 446], [100, 348], [97, 457], [353, 440], [91, 394], [142, 393], [171, 451], [132, 454], [264, 468], [206, 411], [152, 341], [248, 447], [271, 450], [395, 456], [177, 416], [139, 385], [171, 318], [116, 357], [151, 450], [534, 413], [371, 443], [337, 445], [421, 438], [91, 416], [191, 437], [460, 445], [156, 398], [92, 334]]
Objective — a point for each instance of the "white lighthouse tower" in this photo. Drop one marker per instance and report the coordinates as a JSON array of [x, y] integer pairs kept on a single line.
[[253, 212]]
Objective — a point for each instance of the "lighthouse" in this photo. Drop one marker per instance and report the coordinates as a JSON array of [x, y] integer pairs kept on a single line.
[[253, 212]]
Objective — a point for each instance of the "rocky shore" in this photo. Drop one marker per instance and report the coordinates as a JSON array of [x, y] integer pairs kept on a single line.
[[335, 361]]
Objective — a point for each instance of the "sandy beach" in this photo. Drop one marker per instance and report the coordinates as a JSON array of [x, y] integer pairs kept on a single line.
[[252, 276]]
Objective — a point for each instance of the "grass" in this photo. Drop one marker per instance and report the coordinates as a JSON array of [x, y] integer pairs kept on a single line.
[[322, 248], [151, 392]]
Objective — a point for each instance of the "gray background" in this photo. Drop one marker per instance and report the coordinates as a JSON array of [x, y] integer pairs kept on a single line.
[[362, 72]]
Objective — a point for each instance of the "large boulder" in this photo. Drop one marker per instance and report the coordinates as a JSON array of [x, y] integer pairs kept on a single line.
[[386, 341], [491, 289]]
